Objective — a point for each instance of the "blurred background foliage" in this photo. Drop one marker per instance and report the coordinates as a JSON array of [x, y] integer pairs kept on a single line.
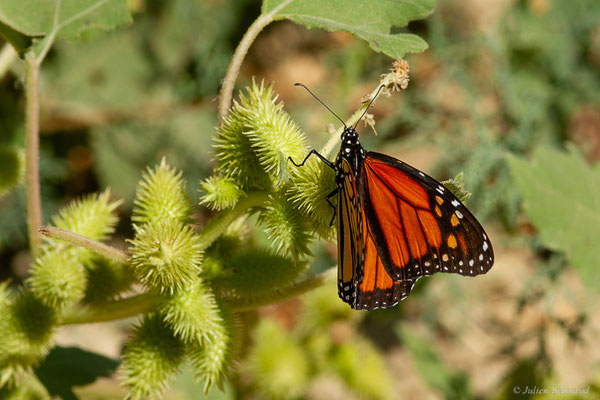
[[500, 76]]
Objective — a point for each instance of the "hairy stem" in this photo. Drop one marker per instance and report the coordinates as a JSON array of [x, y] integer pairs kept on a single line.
[[110, 311], [144, 302], [236, 62], [334, 139], [219, 224], [97, 247], [283, 294], [32, 151], [238, 57]]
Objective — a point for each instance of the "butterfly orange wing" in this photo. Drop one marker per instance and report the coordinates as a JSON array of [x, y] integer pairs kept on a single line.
[[418, 226], [377, 289], [363, 282]]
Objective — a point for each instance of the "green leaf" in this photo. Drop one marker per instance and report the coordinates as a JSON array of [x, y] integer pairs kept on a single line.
[[368, 20], [66, 367], [19, 41], [21, 21], [561, 197]]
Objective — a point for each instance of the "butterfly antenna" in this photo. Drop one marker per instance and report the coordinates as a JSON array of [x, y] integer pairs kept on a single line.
[[319, 100], [371, 102]]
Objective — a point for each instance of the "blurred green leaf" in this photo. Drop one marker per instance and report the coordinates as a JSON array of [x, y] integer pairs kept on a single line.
[[11, 169], [66, 367], [371, 21], [19, 41], [191, 42], [453, 385], [561, 197], [13, 224], [109, 72], [123, 150], [68, 18]]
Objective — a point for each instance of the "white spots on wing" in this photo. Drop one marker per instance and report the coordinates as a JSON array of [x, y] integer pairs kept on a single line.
[[460, 263], [427, 263], [471, 263], [481, 257], [485, 245], [347, 150], [484, 237], [458, 214], [455, 203], [422, 174], [445, 268], [440, 189]]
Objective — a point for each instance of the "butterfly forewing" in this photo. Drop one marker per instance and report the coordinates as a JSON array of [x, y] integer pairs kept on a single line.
[[419, 227]]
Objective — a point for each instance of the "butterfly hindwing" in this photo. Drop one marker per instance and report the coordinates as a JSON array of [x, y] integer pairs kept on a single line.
[[377, 289], [419, 227], [363, 282], [350, 235]]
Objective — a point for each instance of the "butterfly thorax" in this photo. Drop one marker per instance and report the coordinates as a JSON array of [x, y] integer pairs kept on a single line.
[[350, 151]]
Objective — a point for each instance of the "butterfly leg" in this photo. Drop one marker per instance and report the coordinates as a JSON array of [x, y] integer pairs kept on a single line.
[[330, 195], [330, 165], [313, 151]]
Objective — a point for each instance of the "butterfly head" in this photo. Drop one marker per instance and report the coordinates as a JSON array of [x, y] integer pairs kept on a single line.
[[350, 150], [350, 136]]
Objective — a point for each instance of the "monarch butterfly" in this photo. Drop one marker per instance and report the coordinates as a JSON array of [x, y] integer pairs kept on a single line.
[[395, 224]]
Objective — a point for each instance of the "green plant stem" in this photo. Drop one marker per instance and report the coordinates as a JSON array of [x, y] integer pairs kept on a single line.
[[110, 311], [335, 138], [219, 224], [144, 302], [286, 293], [236, 62], [238, 57], [32, 151], [97, 247]]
